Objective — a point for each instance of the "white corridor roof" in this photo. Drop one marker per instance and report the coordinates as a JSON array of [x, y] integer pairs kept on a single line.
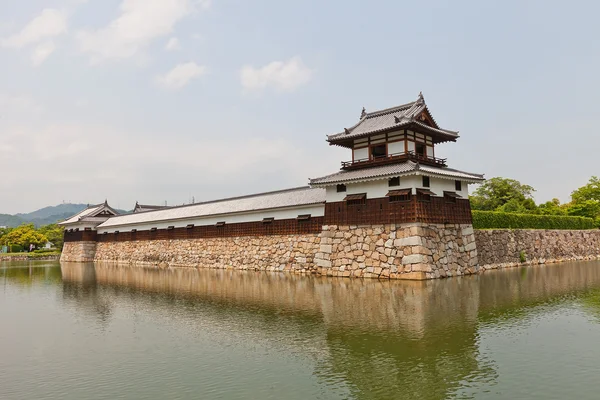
[[279, 199]]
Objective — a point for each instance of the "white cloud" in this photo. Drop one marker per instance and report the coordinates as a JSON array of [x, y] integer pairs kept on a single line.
[[140, 23], [173, 44], [181, 75], [18, 105], [42, 52], [280, 75], [49, 23]]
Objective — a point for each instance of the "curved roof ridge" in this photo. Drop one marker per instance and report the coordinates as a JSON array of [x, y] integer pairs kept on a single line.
[[229, 199], [378, 113]]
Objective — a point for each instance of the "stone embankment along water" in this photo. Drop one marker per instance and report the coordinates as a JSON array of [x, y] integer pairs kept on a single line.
[[28, 257], [502, 248], [410, 251]]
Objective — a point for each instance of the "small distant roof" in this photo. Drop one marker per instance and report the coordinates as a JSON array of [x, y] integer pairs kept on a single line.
[[90, 211], [405, 168], [263, 201], [389, 119], [146, 207]]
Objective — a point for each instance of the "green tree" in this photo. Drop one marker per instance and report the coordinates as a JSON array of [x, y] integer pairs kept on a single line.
[[590, 192], [497, 192], [54, 233], [585, 201], [24, 235], [553, 207]]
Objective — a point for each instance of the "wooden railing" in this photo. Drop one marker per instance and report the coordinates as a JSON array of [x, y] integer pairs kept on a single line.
[[392, 158]]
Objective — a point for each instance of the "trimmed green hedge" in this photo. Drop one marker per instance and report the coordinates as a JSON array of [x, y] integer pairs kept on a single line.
[[500, 220]]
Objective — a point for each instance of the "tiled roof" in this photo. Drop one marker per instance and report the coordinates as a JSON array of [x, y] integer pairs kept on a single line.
[[279, 199], [147, 207], [395, 117], [88, 211], [405, 168]]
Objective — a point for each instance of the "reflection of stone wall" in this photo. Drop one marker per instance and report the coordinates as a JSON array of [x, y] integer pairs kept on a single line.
[[409, 251], [502, 248], [378, 305], [78, 252]]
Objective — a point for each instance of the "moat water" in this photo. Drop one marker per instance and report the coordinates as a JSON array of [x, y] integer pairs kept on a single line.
[[106, 332]]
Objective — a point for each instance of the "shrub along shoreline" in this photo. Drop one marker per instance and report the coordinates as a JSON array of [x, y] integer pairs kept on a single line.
[[502, 220]]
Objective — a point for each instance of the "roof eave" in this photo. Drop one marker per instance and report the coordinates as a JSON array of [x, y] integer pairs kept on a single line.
[[473, 179], [212, 215]]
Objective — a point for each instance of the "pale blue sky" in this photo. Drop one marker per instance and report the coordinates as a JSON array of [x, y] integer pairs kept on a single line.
[[146, 99]]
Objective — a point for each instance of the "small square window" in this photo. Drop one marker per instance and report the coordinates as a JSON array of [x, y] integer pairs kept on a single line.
[[341, 188], [458, 186], [394, 181], [378, 151], [425, 181]]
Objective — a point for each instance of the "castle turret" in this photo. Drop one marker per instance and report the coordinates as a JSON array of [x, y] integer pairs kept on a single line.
[[394, 175]]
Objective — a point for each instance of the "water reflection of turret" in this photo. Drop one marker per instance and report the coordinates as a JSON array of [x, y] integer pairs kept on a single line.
[[424, 332], [382, 339], [80, 287]]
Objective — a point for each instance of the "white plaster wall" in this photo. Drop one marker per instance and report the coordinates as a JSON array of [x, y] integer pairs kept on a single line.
[[81, 226], [430, 151], [380, 188], [411, 146], [373, 189], [396, 147], [361, 153], [317, 210], [436, 185]]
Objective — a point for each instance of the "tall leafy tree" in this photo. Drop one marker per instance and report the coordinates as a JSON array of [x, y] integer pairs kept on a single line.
[[553, 207], [54, 233], [585, 201], [503, 194], [24, 235]]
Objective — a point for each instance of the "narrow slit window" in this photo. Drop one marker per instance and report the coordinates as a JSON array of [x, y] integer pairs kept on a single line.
[[341, 188], [450, 197], [458, 186], [220, 224], [424, 195], [402, 195], [356, 199], [426, 182], [268, 220], [394, 181], [303, 217]]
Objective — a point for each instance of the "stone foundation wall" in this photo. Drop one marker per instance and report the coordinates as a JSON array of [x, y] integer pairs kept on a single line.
[[409, 251], [78, 252], [266, 253], [501, 248]]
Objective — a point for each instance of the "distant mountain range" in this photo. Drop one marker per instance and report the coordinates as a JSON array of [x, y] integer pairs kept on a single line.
[[43, 216]]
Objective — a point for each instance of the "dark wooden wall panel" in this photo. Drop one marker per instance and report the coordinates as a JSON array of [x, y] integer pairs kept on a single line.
[[382, 211], [258, 228]]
